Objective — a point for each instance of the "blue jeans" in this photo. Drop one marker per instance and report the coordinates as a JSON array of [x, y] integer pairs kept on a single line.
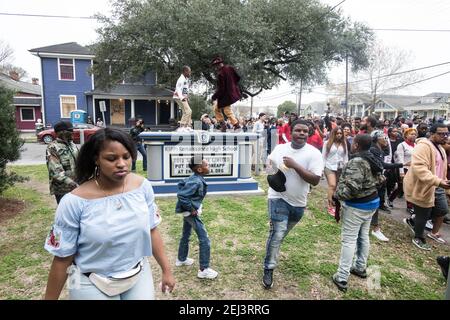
[[354, 236], [141, 149], [283, 217], [195, 223], [84, 289]]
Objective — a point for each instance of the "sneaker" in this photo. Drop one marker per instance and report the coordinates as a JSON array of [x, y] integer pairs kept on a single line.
[[268, 278], [390, 204], [429, 225], [342, 285], [446, 220], [356, 272], [222, 127], [207, 273], [443, 263], [186, 262], [385, 209], [379, 235], [421, 244], [410, 223], [436, 237], [331, 211]]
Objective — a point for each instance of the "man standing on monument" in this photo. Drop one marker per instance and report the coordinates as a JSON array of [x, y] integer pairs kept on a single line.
[[227, 93], [181, 97]]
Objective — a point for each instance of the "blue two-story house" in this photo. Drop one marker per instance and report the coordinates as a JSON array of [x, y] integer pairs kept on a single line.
[[68, 85]]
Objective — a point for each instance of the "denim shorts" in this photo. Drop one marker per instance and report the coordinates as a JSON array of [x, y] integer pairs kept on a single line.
[[440, 203]]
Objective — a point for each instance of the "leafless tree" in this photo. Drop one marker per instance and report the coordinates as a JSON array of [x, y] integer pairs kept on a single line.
[[385, 73], [6, 52]]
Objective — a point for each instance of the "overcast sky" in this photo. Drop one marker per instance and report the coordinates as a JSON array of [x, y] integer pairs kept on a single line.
[[427, 48]]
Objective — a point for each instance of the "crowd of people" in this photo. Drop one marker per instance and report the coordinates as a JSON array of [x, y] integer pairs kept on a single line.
[[106, 222]]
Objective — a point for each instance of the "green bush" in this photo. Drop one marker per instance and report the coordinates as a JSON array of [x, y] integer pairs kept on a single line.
[[10, 142]]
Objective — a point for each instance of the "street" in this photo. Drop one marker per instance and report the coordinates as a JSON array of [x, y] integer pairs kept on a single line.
[[34, 153]]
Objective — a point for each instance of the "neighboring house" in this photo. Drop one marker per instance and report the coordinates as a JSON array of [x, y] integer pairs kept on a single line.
[[27, 100], [391, 106], [359, 104], [68, 85], [432, 105]]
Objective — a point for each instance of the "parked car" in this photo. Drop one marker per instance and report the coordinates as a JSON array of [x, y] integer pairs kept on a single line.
[[49, 135]]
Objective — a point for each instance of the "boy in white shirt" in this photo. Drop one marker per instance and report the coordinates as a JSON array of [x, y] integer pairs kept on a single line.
[[302, 165], [181, 98]]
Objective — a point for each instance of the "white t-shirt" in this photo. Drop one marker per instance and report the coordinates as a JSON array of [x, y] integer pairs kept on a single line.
[[336, 158], [296, 188], [182, 88]]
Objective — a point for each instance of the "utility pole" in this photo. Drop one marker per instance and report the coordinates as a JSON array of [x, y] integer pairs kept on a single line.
[[251, 107], [346, 85], [300, 98]]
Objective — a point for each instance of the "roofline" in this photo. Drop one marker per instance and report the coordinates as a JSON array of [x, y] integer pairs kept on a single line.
[[59, 55], [128, 97], [26, 105]]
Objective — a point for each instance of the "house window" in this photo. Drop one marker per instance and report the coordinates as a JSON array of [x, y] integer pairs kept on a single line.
[[67, 103], [27, 114], [66, 69]]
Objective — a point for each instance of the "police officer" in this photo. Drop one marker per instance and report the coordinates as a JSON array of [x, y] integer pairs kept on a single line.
[[61, 155]]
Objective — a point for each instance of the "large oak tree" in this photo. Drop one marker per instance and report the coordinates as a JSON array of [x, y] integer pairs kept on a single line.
[[266, 40]]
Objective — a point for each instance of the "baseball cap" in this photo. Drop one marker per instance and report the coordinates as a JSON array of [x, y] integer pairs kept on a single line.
[[216, 60], [63, 126]]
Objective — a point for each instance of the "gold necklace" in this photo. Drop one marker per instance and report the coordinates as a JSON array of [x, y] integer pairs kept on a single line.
[[118, 204]]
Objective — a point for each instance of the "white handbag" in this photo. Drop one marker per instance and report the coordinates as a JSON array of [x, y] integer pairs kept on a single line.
[[113, 286]]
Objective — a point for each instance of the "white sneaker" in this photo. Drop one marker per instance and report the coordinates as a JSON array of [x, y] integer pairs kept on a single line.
[[379, 235], [186, 262], [207, 273], [429, 225]]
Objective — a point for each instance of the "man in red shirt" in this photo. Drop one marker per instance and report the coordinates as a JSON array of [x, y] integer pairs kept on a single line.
[[314, 137], [227, 93]]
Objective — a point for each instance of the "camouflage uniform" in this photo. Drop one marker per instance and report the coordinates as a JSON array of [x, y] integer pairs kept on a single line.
[[357, 180], [61, 157]]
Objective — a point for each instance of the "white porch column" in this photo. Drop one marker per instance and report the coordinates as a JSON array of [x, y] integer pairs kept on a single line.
[[172, 109], [156, 112], [363, 110], [382, 115], [396, 113], [94, 116], [133, 112]]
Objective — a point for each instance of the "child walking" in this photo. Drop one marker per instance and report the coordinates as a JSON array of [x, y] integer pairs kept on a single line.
[[191, 192]]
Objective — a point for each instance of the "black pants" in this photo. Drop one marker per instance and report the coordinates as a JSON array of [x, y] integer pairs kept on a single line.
[[440, 209]]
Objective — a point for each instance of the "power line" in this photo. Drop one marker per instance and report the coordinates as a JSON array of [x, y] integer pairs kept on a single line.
[[419, 81], [45, 16], [285, 93], [391, 74]]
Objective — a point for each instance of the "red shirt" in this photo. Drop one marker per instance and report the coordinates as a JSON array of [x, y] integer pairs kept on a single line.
[[286, 129], [316, 141], [280, 134]]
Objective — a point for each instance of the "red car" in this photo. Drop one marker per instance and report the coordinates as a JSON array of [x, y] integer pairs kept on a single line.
[[49, 135]]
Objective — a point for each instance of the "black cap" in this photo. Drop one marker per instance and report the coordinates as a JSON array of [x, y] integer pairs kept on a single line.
[[63, 126], [277, 181], [217, 60]]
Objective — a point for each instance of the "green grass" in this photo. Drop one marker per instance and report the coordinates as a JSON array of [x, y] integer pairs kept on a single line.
[[35, 172], [238, 228]]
